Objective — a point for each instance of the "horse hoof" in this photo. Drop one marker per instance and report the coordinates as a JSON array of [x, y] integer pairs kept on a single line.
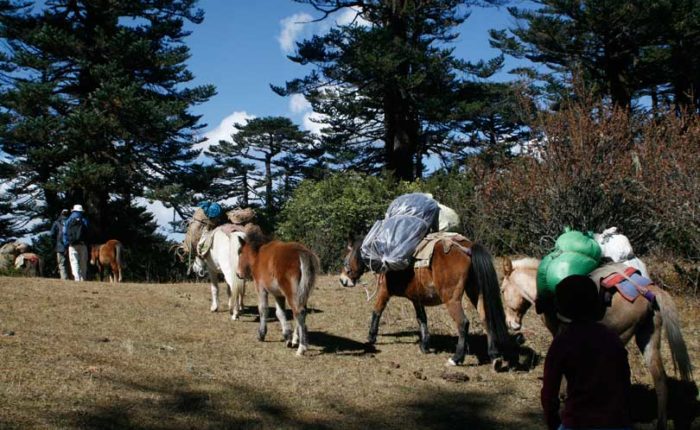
[[451, 362], [261, 336], [498, 365], [300, 352], [214, 309]]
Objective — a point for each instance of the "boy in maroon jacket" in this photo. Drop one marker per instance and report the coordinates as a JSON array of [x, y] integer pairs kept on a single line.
[[593, 360]]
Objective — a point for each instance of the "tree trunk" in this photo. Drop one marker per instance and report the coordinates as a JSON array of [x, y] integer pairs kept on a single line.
[[268, 183]]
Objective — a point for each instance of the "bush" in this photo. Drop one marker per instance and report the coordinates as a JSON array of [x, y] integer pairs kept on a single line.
[[323, 214], [595, 167]]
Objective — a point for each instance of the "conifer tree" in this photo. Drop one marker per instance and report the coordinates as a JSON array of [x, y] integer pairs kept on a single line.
[[95, 103], [276, 154], [390, 91]]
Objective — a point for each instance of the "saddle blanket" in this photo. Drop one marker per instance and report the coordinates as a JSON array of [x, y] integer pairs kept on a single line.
[[626, 280], [424, 250]]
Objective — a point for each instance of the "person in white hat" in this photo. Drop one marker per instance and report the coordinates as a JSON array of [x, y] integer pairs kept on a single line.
[[75, 232], [60, 248]]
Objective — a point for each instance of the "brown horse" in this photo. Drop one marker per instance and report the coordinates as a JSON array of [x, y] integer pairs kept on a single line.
[[109, 254], [287, 270], [641, 319], [464, 267]]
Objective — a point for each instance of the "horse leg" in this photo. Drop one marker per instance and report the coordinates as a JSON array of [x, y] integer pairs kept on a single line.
[[379, 306], [214, 290], [282, 318], [115, 276], [262, 311], [454, 307], [424, 334], [303, 334], [648, 339]]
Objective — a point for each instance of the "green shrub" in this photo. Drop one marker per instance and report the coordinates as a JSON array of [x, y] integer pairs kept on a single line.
[[323, 214]]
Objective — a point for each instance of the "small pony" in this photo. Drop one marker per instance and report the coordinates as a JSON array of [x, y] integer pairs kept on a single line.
[[109, 254], [287, 270], [640, 319], [30, 264]]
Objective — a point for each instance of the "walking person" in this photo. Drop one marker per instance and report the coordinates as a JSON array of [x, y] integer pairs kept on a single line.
[[75, 238], [593, 360], [60, 248]]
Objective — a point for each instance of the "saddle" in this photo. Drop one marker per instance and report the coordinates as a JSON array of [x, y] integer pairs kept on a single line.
[[424, 251], [625, 280]]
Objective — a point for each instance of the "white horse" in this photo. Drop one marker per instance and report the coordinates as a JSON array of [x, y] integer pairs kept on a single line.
[[618, 248], [222, 258]]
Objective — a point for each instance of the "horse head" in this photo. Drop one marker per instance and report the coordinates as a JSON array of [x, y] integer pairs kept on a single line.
[[249, 245], [353, 266], [518, 294]]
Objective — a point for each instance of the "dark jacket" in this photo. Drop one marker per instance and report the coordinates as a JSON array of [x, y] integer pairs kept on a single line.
[[57, 233], [594, 362], [72, 216]]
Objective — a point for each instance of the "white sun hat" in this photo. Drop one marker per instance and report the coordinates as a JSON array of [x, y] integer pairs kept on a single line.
[[78, 208]]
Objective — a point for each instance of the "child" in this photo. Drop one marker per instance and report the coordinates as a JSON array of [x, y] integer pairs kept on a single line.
[[593, 360]]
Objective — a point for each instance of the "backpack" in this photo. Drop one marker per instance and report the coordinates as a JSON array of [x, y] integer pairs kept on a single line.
[[75, 232]]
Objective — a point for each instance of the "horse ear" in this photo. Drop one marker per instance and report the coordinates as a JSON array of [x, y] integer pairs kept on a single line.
[[507, 266], [351, 241]]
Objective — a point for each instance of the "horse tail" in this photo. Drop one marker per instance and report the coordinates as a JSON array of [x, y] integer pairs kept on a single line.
[[309, 267], [119, 250], [679, 351], [483, 272]]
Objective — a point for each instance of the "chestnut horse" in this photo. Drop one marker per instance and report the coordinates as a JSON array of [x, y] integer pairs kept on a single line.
[[287, 270], [464, 267], [109, 254], [641, 319]]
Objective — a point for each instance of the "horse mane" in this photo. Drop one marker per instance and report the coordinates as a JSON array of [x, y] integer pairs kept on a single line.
[[527, 263], [255, 237]]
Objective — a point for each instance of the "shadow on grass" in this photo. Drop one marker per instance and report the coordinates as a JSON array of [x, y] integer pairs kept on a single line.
[[683, 405], [241, 407], [332, 344], [523, 359]]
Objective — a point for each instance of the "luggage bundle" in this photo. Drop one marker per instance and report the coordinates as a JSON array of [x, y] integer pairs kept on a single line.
[[390, 243], [575, 253]]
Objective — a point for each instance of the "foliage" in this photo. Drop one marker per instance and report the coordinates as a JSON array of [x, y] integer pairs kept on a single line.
[[595, 167], [387, 84], [277, 145], [323, 214], [95, 105], [623, 49]]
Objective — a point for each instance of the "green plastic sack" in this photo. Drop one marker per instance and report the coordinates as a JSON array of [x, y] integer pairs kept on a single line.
[[575, 241], [575, 253]]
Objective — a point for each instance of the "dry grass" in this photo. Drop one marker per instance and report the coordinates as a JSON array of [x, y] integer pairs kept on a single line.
[[151, 356]]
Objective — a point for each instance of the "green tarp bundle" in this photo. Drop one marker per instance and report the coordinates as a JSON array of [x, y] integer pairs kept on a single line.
[[575, 253]]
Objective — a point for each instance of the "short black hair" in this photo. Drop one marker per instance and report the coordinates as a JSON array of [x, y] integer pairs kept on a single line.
[[577, 299]]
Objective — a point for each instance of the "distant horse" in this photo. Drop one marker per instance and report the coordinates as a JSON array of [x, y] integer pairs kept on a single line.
[[30, 264], [464, 267], [641, 319], [109, 254], [222, 257], [287, 270]]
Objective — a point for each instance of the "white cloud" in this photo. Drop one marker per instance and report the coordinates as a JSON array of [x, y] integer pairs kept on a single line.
[[293, 28], [313, 122], [225, 129], [298, 104], [350, 15]]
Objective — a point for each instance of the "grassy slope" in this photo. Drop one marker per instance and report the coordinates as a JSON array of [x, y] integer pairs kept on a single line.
[[151, 356]]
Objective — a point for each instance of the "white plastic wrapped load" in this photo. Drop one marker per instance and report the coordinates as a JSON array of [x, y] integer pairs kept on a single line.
[[448, 220], [390, 243]]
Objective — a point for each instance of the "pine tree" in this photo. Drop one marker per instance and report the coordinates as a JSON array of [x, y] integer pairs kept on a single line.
[[278, 155], [95, 103], [622, 50], [390, 89]]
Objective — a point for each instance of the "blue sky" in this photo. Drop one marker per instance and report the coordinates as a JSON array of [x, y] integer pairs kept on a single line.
[[240, 49]]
